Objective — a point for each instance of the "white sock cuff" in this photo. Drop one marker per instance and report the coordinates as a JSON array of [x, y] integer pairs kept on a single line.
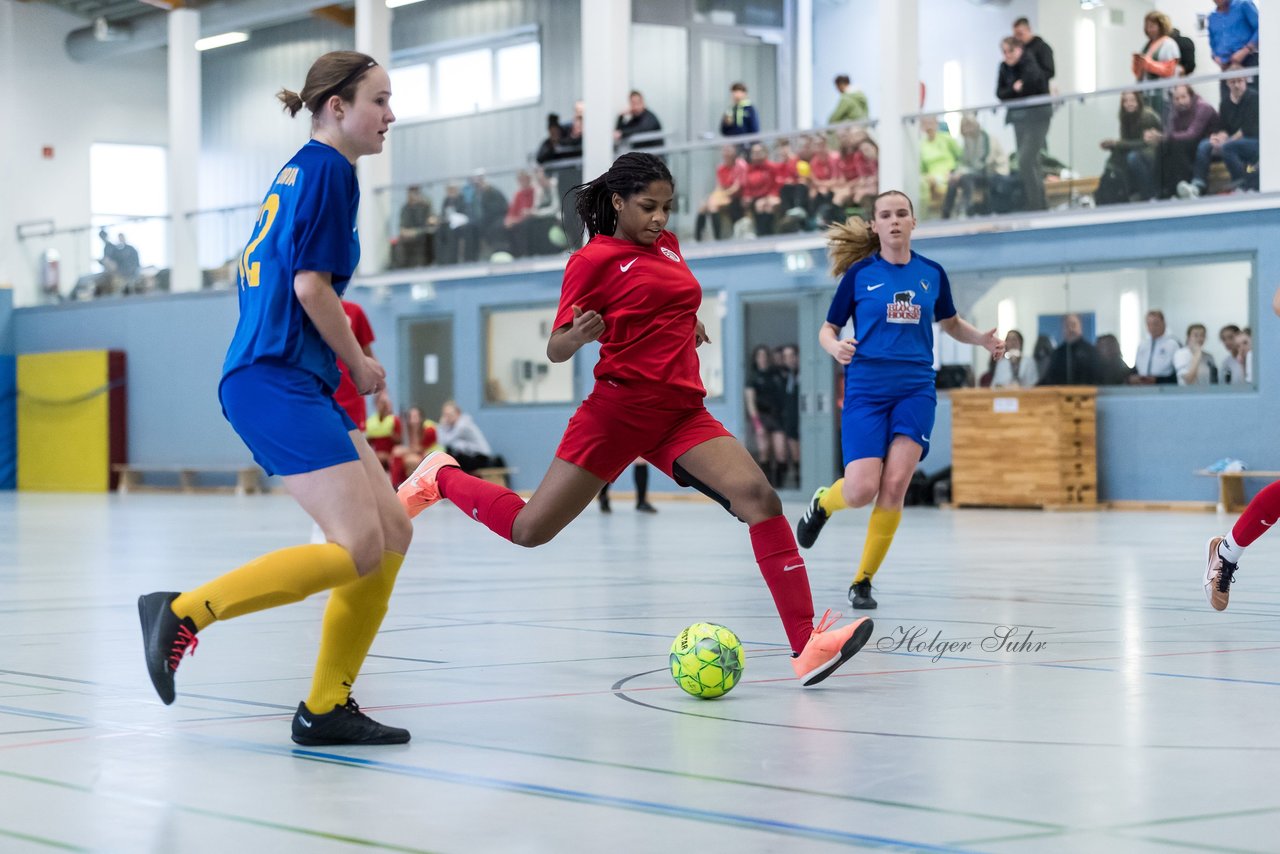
[[1229, 550]]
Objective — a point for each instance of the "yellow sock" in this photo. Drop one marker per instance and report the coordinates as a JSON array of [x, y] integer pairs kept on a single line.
[[833, 499], [277, 578], [880, 531], [351, 621]]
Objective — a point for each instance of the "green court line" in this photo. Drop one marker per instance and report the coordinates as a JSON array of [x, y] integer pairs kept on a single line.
[[1195, 846], [1185, 818], [239, 819], [1054, 829], [39, 840], [1018, 837]]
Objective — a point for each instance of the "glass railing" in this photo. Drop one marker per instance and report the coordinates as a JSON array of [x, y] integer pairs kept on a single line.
[[114, 257], [1091, 150], [221, 235]]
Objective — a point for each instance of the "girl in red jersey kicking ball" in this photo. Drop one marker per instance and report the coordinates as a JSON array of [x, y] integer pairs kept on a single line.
[[630, 289]]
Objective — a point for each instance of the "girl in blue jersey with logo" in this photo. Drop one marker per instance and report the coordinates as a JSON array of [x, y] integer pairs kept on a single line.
[[893, 296], [277, 391]]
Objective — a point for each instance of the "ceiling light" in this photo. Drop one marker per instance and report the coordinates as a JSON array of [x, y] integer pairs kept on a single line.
[[221, 41], [394, 4]]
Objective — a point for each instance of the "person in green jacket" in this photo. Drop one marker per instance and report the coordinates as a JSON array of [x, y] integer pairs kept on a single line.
[[852, 105]]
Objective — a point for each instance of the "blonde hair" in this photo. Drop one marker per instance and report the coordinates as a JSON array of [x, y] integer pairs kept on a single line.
[[336, 73], [850, 241]]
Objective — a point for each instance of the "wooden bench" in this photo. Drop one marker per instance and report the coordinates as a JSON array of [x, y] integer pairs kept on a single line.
[[1231, 486], [248, 478], [500, 476]]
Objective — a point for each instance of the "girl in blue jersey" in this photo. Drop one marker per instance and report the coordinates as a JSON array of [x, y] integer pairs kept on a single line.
[[893, 296], [277, 391]]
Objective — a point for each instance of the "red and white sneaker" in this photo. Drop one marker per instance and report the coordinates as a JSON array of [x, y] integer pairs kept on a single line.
[[420, 491], [829, 648]]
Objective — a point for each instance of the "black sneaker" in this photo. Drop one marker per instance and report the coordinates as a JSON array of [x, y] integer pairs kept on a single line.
[[344, 725], [165, 639], [646, 507], [810, 524], [860, 595]]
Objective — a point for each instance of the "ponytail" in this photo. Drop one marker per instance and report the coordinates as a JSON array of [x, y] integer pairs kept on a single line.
[[336, 73], [850, 241]]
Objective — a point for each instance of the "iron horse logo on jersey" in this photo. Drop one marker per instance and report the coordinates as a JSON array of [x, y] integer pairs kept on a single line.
[[902, 309], [673, 256]]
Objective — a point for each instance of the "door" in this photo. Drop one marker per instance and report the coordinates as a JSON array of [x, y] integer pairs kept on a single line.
[[797, 444], [429, 373]]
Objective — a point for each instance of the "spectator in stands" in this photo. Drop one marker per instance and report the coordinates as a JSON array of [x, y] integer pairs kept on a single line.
[[861, 171], [490, 211], [1034, 45], [1112, 368], [763, 397], [852, 106], [1232, 370], [824, 176], [415, 246], [544, 234], [551, 149], [760, 190], [939, 156], [1075, 361], [1189, 121], [382, 429], [741, 116], [518, 212], [1159, 59], [792, 193], [725, 197], [1192, 364], [981, 156], [1017, 368], [1129, 174], [1021, 77], [1154, 363], [1235, 142], [1233, 35], [420, 439], [456, 231], [460, 436], [638, 119]]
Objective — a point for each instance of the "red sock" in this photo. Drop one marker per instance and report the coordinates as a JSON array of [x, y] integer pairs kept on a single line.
[[493, 506], [788, 580], [1263, 512]]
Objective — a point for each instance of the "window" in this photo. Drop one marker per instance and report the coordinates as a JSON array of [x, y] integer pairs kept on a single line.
[[517, 370], [489, 74], [126, 183]]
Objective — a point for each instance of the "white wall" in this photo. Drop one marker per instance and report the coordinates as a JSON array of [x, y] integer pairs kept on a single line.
[[68, 106]]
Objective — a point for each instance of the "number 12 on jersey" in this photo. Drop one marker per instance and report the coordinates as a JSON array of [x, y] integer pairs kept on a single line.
[[250, 271]]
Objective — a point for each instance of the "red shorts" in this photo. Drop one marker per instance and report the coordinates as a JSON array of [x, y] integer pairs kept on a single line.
[[617, 424]]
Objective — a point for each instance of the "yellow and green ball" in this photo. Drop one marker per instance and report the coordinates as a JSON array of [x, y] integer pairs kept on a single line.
[[707, 660]]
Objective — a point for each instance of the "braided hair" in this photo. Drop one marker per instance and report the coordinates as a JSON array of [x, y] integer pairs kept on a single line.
[[628, 175]]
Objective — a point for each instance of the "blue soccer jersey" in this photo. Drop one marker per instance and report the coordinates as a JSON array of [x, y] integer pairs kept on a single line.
[[307, 222], [893, 308]]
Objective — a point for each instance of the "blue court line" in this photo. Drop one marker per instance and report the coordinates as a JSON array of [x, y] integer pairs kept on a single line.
[[652, 807], [1173, 675]]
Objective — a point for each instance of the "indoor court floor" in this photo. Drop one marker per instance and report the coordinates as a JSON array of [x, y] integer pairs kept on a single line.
[[1121, 714]]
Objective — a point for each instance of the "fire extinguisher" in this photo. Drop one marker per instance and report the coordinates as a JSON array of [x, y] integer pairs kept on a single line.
[[51, 274]]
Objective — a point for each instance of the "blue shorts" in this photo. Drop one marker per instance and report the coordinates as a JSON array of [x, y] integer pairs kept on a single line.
[[285, 417], [871, 419]]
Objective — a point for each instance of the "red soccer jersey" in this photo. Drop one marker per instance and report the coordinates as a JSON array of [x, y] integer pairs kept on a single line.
[[649, 300], [727, 176], [823, 165], [786, 170], [346, 394], [761, 181]]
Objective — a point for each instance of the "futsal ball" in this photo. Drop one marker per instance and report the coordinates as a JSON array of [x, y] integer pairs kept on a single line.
[[707, 660]]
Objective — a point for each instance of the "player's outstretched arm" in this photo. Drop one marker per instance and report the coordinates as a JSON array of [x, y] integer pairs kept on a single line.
[[587, 326]]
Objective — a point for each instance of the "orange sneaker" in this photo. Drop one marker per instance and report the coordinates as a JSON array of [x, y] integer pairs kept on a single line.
[[1218, 576], [420, 491], [829, 648]]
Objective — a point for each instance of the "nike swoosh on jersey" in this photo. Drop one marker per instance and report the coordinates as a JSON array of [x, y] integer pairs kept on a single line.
[[873, 287], [627, 266]]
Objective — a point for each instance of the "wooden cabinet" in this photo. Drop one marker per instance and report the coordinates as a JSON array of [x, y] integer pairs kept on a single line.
[[1015, 447]]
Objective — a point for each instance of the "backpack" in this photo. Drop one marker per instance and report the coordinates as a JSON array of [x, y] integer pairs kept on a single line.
[[1188, 49]]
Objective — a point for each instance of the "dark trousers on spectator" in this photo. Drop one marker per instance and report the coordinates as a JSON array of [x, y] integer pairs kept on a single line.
[[1030, 129], [1237, 154], [1173, 163], [471, 462]]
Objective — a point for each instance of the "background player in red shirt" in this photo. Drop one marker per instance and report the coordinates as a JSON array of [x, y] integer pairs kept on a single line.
[[630, 289], [347, 396]]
